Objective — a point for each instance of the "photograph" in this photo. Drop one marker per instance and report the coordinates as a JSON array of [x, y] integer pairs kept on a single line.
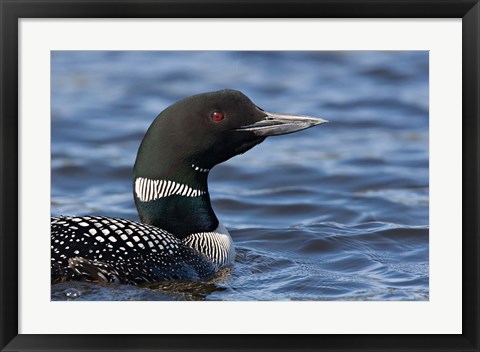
[[239, 175]]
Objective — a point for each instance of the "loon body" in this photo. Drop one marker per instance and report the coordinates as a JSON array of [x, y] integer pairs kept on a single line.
[[125, 251], [179, 236]]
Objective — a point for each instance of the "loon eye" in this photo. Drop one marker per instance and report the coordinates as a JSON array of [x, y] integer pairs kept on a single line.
[[217, 116]]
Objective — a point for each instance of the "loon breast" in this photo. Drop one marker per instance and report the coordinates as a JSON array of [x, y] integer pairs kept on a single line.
[[217, 245], [96, 248]]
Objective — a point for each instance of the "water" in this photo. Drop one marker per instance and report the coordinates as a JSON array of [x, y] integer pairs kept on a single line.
[[336, 212]]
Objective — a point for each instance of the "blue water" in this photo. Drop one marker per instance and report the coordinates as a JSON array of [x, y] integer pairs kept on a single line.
[[336, 212]]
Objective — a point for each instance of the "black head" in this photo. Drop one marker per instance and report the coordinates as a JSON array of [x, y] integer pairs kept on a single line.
[[207, 129], [185, 141]]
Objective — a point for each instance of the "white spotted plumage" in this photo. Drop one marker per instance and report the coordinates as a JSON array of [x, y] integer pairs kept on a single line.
[[147, 189], [133, 252]]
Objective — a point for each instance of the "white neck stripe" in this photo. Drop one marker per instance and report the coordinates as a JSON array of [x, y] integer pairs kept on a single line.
[[196, 168], [147, 189]]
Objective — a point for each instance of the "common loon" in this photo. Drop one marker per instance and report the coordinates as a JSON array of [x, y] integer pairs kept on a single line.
[[179, 236]]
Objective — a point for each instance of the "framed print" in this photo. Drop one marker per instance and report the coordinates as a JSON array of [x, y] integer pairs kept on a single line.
[[239, 176]]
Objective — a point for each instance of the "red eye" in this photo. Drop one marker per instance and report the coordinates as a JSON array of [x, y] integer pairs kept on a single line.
[[217, 116]]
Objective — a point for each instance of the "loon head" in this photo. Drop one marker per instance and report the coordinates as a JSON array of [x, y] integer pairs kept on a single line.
[[185, 142]]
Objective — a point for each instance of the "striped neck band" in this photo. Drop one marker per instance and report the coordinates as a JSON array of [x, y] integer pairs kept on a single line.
[[148, 190]]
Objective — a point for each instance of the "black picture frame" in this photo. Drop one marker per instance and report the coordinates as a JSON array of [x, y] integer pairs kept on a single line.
[[13, 10]]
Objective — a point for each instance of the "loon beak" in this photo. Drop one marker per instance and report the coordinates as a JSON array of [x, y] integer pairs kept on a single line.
[[276, 124]]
